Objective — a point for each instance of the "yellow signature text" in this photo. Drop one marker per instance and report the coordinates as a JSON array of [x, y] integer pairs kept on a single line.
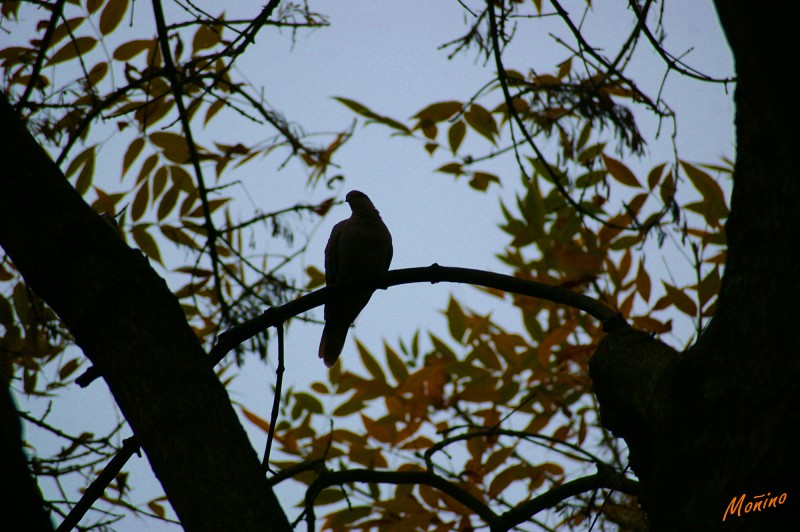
[[758, 503]]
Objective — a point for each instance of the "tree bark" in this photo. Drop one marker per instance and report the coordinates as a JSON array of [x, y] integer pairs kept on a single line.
[[132, 328], [19, 494], [717, 422]]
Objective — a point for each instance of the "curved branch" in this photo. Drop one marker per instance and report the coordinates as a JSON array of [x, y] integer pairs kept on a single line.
[[233, 337], [604, 478], [332, 478]]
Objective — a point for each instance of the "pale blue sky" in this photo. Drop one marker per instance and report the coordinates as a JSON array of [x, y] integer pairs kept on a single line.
[[384, 55]]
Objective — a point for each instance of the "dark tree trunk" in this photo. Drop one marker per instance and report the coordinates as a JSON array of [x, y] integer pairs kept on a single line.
[[718, 422], [132, 328], [20, 498]]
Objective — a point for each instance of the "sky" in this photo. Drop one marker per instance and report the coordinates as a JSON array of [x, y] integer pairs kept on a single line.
[[385, 55]]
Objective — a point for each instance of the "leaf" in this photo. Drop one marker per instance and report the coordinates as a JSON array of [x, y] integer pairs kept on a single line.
[[68, 368], [147, 167], [708, 286], [159, 182], [85, 162], [316, 278], [81, 45], [97, 73], [182, 179], [643, 282], [174, 146], [352, 405], [504, 478], [456, 134], [258, 421], [620, 172], [680, 300], [212, 110], [146, 242], [713, 207], [133, 151], [481, 121], [482, 180], [451, 168], [68, 27], [396, 366], [131, 49], [308, 403], [140, 201], [167, 203], [206, 37], [456, 320], [157, 509], [366, 112], [112, 15], [655, 176], [370, 363], [438, 112]]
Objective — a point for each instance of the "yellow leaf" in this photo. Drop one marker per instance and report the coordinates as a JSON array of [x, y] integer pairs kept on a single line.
[[167, 203], [396, 365], [206, 37], [97, 73], [133, 151], [481, 121], [620, 172], [174, 145], [681, 301], [81, 45], [456, 134], [643, 282], [112, 15], [131, 49], [259, 422], [482, 180], [212, 110], [438, 112], [159, 182], [146, 242], [369, 362], [140, 201], [182, 179], [316, 277]]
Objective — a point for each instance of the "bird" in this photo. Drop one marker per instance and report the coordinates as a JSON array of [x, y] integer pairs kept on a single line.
[[359, 248]]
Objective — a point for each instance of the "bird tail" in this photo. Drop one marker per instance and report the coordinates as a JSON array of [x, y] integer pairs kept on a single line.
[[331, 345]]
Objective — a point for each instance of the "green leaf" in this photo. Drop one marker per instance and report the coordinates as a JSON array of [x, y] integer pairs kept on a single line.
[[456, 320], [370, 363]]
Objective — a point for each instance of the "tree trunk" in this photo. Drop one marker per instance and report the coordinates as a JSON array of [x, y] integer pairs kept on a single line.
[[711, 431], [132, 328]]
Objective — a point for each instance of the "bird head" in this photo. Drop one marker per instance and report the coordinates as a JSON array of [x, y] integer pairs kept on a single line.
[[358, 201]]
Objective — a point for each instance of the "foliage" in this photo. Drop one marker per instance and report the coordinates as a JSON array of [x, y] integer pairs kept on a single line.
[[503, 416]]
